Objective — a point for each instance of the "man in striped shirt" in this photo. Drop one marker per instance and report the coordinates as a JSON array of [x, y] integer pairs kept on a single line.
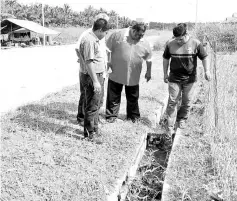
[[183, 51]]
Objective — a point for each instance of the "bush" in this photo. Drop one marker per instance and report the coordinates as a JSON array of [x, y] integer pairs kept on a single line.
[[225, 36], [158, 46]]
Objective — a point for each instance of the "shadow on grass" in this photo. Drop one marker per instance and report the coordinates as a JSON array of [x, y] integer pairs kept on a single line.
[[58, 118], [151, 99]]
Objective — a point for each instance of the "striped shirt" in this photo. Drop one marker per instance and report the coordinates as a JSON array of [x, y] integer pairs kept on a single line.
[[127, 57], [183, 65]]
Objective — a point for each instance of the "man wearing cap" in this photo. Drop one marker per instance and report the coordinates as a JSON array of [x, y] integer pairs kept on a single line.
[[92, 68], [183, 51], [128, 50], [104, 49]]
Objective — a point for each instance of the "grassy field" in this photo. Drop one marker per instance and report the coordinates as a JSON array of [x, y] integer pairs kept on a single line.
[[68, 35], [43, 155]]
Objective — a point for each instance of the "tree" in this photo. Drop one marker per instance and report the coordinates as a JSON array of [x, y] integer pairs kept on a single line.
[[67, 12]]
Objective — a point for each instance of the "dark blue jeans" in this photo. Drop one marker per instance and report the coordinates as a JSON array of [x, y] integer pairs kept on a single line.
[[81, 112], [114, 99], [92, 102]]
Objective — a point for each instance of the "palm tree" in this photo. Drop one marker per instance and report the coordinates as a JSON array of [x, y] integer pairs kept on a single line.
[[67, 12]]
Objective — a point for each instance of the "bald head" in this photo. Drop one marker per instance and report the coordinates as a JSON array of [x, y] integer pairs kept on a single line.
[[102, 16]]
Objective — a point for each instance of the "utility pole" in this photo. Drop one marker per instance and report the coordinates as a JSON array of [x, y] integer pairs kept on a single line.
[[117, 20], [196, 15], [43, 23]]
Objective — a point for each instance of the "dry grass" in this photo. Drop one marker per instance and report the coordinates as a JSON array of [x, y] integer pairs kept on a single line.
[[222, 126], [209, 168], [68, 35], [44, 158]]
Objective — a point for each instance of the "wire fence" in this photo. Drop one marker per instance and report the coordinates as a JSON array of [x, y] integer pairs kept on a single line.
[[221, 110], [223, 64]]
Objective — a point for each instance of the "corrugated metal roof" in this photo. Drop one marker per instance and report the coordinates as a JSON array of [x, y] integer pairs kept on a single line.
[[14, 24], [21, 30]]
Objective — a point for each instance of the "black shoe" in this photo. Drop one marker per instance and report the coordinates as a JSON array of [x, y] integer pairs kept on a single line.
[[93, 137], [111, 119], [80, 121], [134, 120]]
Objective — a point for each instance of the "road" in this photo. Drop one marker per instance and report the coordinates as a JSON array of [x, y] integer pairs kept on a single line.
[[27, 74]]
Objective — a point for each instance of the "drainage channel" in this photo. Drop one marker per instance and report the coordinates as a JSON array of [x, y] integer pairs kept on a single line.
[[150, 175], [145, 178]]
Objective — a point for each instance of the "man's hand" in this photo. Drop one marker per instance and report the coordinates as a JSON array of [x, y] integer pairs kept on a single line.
[[208, 76], [148, 76], [97, 87], [166, 78]]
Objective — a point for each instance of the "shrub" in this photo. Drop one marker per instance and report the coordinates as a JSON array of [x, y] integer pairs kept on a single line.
[[225, 36], [158, 46]]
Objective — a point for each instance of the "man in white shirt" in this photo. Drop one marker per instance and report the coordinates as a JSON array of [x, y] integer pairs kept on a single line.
[[104, 49]]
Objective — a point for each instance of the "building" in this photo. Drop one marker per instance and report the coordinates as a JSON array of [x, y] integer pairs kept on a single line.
[[19, 31]]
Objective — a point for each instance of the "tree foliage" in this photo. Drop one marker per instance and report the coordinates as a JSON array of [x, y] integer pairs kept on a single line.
[[64, 16]]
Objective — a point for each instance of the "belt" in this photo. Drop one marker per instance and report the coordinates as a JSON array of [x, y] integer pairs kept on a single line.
[[99, 74]]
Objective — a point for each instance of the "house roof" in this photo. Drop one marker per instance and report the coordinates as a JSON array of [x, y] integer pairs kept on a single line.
[[21, 30], [10, 25]]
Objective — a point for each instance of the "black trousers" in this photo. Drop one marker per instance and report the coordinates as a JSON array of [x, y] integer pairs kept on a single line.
[[81, 102], [114, 100], [92, 102]]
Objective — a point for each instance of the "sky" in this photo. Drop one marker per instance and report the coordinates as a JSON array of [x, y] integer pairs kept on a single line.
[[156, 10]]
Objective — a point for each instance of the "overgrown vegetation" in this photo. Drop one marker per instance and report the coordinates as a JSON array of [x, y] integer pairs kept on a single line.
[[221, 126], [223, 34]]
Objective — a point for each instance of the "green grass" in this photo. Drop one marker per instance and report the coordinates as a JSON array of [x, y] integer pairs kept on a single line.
[[44, 158]]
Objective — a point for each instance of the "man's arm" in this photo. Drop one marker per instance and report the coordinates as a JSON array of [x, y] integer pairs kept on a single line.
[[148, 71], [91, 72], [165, 69], [77, 52], [202, 54], [207, 73]]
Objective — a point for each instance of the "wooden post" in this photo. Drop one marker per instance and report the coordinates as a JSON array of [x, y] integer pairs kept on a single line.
[[43, 23], [215, 85], [117, 21]]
